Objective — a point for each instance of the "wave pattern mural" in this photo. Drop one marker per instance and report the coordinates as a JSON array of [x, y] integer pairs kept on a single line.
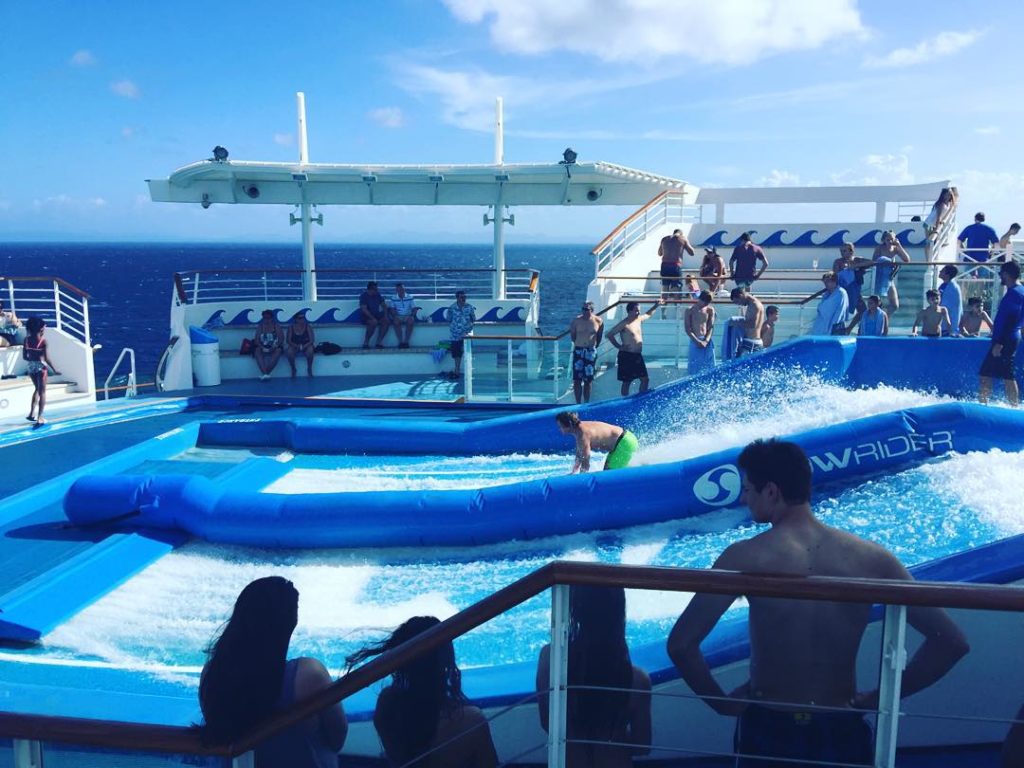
[[813, 238]]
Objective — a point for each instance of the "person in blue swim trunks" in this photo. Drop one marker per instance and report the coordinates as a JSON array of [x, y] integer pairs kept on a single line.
[[801, 701], [620, 443], [586, 331]]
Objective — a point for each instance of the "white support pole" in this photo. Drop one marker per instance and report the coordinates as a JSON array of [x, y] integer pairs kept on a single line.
[[559, 675], [498, 289], [894, 659], [467, 369], [308, 251], [508, 344], [499, 131]]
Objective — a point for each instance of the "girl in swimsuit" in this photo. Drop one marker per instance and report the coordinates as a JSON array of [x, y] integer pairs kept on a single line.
[[36, 362], [886, 267], [300, 342]]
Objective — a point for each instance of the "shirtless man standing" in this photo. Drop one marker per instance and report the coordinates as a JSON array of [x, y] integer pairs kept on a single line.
[[751, 322], [585, 331], [802, 652], [620, 443], [931, 318], [630, 364], [671, 252], [700, 325]]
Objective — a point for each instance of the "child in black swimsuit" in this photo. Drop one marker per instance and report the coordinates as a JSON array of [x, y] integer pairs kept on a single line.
[[300, 342], [36, 362]]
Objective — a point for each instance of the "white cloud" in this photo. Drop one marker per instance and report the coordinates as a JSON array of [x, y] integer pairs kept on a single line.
[[389, 117], [779, 178], [876, 169], [82, 58], [722, 32], [284, 139], [943, 44], [987, 130], [129, 132], [68, 202], [126, 89]]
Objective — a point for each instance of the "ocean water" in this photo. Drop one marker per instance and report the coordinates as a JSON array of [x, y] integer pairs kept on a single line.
[[160, 621], [130, 284]]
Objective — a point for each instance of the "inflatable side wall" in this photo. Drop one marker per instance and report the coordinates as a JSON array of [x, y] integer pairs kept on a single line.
[[234, 512]]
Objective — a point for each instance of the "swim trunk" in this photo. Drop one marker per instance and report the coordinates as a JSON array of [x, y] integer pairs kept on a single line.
[[584, 360], [749, 346], [631, 366], [1000, 367], [457, 348], [671, 276], [622, 453], [700, 359], [744, 282], [815, 737]]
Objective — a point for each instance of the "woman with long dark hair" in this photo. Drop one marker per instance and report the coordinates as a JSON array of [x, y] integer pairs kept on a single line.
[[424, 709], [248, 677], [37, 361], [620, 712]]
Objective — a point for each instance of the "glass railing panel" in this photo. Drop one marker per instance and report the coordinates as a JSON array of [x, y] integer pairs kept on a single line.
[[6, 753], [516, 369], [969, 711]]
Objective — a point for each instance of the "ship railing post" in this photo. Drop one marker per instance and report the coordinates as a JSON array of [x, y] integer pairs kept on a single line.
[[58, 320], [244, 760], [559, 676], [467, 363], [27, 754], [86, 331], [195, 289], [894, 659], [558, 374], [10, 296], [508, 365]]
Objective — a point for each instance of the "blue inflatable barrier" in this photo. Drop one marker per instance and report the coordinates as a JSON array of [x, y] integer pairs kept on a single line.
[[235, 513]]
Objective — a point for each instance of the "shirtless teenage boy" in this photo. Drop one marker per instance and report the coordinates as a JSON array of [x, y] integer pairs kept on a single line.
[[802, 652], [630, 364], [700, 326], [751, 322], [972, 320], [620, 443], [771, 317], [585, 331], [931, 318]]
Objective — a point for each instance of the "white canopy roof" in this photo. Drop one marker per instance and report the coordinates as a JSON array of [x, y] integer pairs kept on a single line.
[[231, 181]]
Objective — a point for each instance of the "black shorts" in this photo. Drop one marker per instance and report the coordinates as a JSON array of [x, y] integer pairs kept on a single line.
[[839, 737], [631, 366], [1000, 367], [671, 277], [457, 348], [379, 318]]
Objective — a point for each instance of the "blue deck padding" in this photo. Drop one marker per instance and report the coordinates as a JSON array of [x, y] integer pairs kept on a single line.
[[40, 605], [230, 513]]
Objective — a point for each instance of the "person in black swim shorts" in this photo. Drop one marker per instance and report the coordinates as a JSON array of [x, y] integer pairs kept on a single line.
[[628, 338], [800, 700], [998, 363]]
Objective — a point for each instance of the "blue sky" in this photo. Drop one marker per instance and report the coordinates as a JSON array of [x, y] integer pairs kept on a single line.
[[98, 96]]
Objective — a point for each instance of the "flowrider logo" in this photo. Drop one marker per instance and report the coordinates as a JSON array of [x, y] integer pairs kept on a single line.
[[719, 486], [879, 450]]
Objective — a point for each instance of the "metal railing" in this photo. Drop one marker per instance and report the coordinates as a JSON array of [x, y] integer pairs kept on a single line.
[[667, 208], [130, 387], [58, 302], [265, 285], [30, 731]]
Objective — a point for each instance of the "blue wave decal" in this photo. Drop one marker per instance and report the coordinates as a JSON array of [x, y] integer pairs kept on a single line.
[[514, 316], [774, 239], [836, 239], [242, 318], [438, 315], [491, 316], [737, 241], [216, 320], [715, 239], [904, 237], [870, 240], [354, 317], [330, 316], [302, 311], [805, 240]]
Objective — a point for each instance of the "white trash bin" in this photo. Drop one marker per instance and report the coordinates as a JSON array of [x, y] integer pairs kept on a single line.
[[206, 364]]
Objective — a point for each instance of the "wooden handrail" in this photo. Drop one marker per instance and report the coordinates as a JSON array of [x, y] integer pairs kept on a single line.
[[365, 270], [48, 279], [629, 219], [153, 738]]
